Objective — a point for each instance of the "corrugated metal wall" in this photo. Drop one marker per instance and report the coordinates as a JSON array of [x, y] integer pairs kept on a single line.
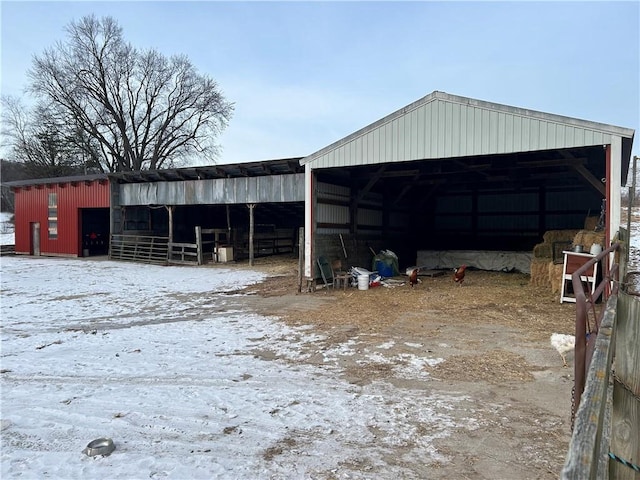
[[264, 189], [31, 205], [513, 214], [439, 128], [333, 213]]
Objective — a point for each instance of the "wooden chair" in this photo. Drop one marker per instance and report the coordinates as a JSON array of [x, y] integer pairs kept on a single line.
[[340, 277], [330, 277]]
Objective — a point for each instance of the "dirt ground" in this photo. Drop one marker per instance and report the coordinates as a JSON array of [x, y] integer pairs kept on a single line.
[[493, 335]]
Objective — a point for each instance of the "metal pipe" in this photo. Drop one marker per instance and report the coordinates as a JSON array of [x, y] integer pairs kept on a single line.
[[583, 346]]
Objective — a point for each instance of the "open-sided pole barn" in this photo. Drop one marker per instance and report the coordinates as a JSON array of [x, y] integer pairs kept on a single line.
[[226, 199], [453, 173]]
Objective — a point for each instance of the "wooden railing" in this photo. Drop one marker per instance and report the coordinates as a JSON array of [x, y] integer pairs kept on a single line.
[[587, 456], [183, 253], [606, 431], [139, 248]]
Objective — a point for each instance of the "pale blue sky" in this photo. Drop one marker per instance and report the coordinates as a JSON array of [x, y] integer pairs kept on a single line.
[[305, 74]]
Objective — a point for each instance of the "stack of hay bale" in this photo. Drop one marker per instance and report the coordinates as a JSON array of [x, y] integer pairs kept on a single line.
[[547, 273], [544, 272], [587, 239]]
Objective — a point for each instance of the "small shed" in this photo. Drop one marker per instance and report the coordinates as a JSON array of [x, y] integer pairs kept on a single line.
[[65, 216], [454, 173]]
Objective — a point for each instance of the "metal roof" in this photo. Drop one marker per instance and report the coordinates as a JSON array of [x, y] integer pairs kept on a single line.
[[56, 180], [441, 125], [248, 169]]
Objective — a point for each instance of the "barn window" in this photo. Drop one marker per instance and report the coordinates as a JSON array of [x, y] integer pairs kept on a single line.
[[52, 216]]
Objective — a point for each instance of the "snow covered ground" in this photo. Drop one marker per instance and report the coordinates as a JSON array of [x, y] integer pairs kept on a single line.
[[189, 384], [166, 362], [7, 236]]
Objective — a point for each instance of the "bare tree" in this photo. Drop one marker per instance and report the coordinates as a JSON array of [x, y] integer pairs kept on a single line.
[[34, 140], [139, 109]]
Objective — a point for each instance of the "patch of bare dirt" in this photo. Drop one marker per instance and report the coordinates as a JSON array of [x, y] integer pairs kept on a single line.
[[491, 337], [497, 367]]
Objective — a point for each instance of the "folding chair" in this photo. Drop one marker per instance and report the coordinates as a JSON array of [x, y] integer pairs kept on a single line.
[[325, 271]]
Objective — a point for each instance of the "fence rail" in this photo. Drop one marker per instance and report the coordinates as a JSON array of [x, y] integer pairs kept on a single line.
[[586, 331], [606, 434], [139, 248], [587, 456], [183, 253]]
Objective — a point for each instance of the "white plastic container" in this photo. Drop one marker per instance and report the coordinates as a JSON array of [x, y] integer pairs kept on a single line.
[[596, 249], [363, 282]]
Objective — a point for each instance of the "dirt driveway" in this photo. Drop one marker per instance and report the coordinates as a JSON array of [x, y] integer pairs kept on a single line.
[[491, 337]]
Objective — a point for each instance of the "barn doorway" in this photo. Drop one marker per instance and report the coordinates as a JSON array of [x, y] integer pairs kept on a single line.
[[94, 231]]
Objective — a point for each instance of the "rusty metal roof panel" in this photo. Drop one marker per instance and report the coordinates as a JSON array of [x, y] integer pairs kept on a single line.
[[283, 166], [259, 189]]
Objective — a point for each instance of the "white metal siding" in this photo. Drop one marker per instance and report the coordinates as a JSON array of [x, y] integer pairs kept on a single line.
[[444, 126]]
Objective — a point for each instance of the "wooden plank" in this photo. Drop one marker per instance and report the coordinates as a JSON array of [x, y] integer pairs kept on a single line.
[[199, 244], [625, 440], [589, 432], [574, 262]]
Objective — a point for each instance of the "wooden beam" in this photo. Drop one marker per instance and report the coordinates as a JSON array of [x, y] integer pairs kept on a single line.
[[406, 189], [374, 179], [591, 179], [394, 174]]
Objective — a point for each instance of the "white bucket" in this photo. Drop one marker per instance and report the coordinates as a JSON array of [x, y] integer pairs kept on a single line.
[[596, 249], [363, 282]]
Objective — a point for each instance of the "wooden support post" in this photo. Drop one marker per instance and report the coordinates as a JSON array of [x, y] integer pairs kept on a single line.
[[300, 257], [199, 244], [170, 210], [251, 228]]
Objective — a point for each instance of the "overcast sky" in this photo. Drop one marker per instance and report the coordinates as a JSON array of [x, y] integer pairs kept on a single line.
[[305, 74]]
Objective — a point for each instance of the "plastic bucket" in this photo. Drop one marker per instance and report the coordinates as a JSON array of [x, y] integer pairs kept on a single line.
[[363, 282]]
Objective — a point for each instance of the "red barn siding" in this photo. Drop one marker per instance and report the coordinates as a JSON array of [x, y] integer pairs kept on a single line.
[[32, 203]]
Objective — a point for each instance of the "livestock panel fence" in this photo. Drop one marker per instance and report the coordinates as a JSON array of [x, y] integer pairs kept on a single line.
[[139, 248]]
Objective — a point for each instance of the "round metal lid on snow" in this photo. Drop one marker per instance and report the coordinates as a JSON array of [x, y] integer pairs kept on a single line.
[[100, 446]]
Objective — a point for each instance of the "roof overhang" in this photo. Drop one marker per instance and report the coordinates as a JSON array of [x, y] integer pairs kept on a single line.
[[249, 169], [441, 125]]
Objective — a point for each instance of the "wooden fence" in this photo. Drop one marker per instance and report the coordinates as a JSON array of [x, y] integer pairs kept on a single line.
[[205, 248], [183, 253], [606, 433], [625, 417]]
